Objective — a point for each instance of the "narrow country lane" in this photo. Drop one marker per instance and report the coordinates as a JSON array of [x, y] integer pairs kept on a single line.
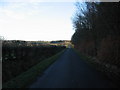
[[70, 71]]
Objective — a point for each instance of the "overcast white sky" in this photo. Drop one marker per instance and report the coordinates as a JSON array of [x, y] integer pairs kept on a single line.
[[28, 20]]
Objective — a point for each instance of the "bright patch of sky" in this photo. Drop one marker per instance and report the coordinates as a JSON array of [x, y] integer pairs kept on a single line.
[[33, 20]]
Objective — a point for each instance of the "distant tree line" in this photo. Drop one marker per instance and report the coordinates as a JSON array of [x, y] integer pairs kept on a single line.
[[60, 41], [97, 31]]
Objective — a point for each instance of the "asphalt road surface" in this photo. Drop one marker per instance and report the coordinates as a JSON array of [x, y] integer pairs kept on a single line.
[[70, 71]]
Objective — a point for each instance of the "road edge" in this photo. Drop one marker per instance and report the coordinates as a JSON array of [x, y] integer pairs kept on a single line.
[[97, 67], [30, 75]]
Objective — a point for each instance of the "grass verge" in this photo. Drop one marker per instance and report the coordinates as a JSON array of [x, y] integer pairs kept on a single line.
[[101, 68], [29, 76], [88, 60]]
